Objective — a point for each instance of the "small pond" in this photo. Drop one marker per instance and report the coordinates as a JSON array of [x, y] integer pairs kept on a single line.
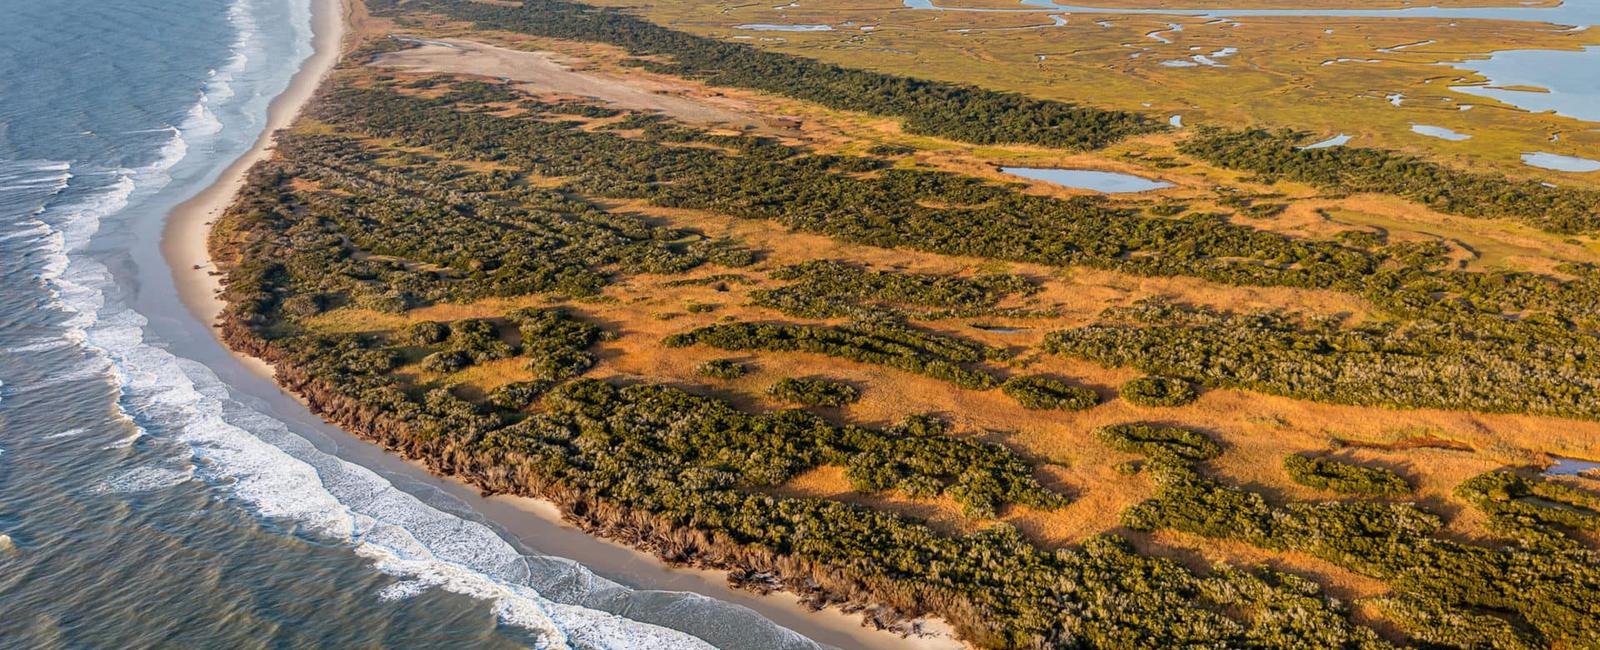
[[1570, 466], [1088, 179], [1334, 141], [768, 27], [1439, 132], [1560, 163]]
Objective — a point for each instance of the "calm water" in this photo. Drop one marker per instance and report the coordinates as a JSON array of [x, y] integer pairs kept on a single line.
[[770, 27], [1335, 141], [1088, 179], [1439, 132], [152, 492], [1560, 163]]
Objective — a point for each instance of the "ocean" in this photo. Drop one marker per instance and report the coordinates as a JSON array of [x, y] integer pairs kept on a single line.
[[153, 492]]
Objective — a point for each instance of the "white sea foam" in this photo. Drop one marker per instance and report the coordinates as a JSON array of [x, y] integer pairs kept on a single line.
[[147, 479], [75, 431]]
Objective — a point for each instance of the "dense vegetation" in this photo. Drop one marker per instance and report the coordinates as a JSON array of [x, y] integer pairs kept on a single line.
[[1039, 392], [955, 111], [1447, 593], [1345, 478], [831, 289], [1534, 511], [1516, 367], [814, 392], [885, 343], [1170, 444], [1355, 169], [1158, 391]]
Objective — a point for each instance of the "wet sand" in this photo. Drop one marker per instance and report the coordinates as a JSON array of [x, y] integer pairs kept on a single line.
[[183, 240], [535, 523]]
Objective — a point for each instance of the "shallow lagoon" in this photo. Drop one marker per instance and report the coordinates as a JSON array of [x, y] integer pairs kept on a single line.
[[1572, 78], [1088, 179]]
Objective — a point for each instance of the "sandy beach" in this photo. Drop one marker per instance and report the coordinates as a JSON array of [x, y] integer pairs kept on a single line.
[[184, 245], [183, 241]]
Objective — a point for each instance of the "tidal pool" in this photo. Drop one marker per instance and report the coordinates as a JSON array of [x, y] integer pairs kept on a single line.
[[1439, 132], [1560, 163], [1088, 179]]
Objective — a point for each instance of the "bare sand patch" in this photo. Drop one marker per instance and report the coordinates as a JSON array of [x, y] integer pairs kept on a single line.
[[541, 72]]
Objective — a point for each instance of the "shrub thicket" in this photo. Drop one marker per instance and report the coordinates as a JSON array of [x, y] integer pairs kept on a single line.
[[890, 344], [1158, 391], [721, 369], [1039, 392], [814, 392], [1344, 478]]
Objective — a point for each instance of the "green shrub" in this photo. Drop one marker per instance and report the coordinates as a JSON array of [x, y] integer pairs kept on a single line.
[[814, 392], [517, 396], [890, 344], [1344, 478], [1160, 443], [478, 339], [555, 343], [722, 369], [1038, 392], [423, 333], [1159, 391], [447, 361]]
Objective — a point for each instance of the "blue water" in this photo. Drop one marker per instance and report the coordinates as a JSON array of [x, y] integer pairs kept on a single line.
[[1439, 132], [770, 27], [1088, 179], [153, 492], [1335, 141], [1560, 163]]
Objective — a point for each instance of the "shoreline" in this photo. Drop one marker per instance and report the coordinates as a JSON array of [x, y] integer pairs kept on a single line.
[[187, 228], [185, 247]]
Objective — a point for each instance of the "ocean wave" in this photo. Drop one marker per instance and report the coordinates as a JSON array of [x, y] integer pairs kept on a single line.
[[75, 431], [42, 345], [147, 479]]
